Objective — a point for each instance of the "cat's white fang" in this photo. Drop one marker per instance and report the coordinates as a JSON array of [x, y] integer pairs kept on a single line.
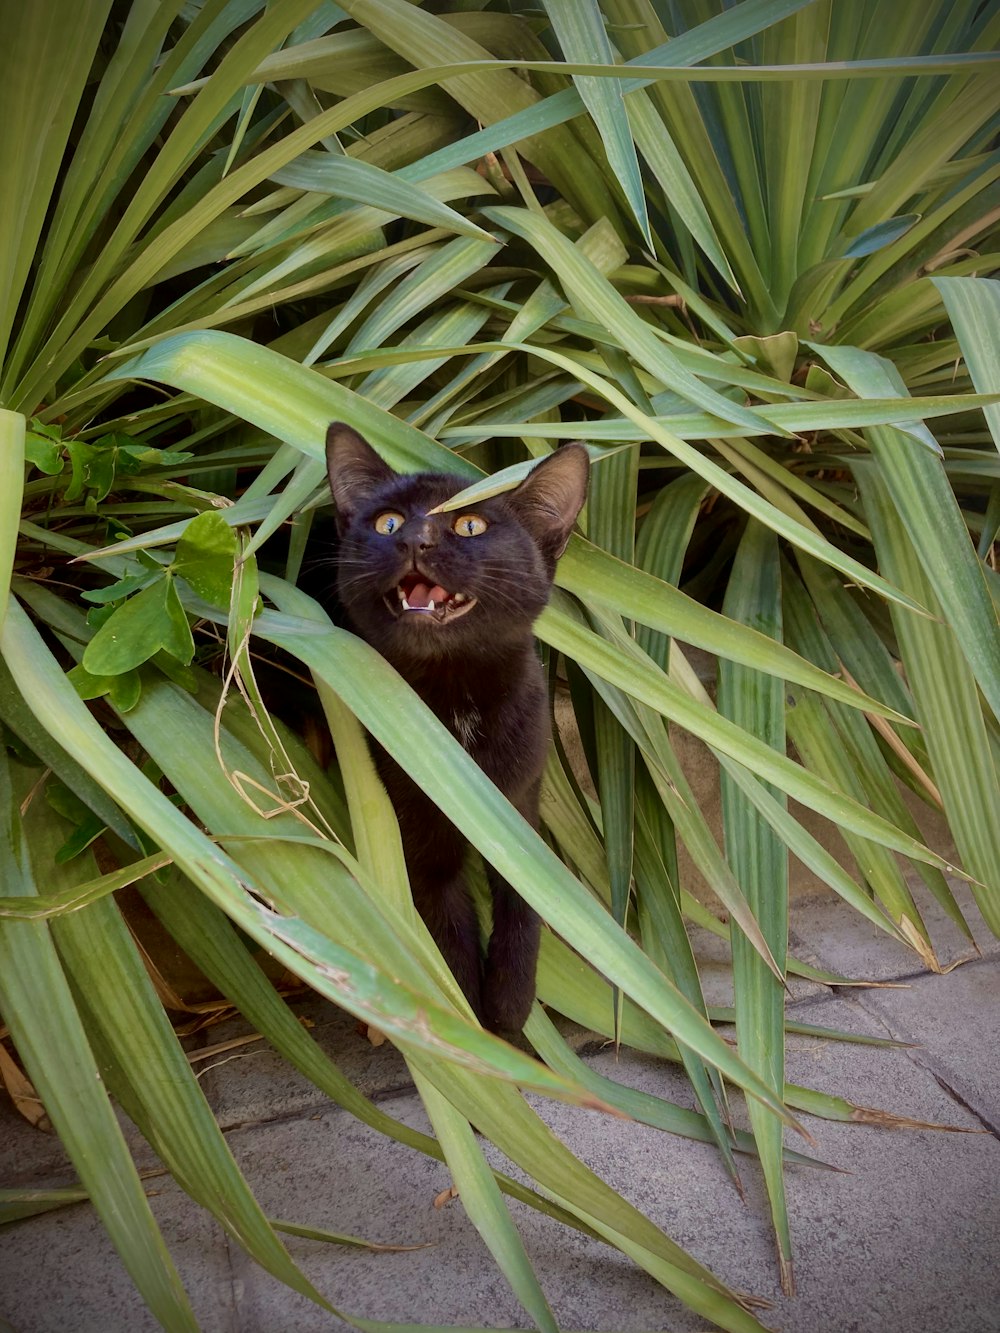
[[406, 604], [430, 605]]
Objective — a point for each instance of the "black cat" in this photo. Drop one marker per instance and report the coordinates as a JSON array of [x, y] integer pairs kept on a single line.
[[449, 599]]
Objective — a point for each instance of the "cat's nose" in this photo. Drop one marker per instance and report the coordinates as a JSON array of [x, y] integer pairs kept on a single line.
[[420, 538]]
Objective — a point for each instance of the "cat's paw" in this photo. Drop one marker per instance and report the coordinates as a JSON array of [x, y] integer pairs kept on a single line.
[[507, 1002]]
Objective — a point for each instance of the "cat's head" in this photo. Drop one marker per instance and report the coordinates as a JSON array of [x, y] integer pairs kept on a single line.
[[460, 583]]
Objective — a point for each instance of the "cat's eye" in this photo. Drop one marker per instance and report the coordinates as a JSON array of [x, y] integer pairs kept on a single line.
[[470, 525], [388, 523]]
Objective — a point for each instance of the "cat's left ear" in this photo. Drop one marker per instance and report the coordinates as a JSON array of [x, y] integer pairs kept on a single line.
[[354, 468], [551, 496]]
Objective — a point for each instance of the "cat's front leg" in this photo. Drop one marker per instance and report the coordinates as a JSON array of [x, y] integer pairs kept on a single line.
[[512, 956], [512, 959], [450, 915], [435, 854]]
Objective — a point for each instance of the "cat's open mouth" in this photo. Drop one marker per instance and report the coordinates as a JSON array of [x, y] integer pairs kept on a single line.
[[418, 593]]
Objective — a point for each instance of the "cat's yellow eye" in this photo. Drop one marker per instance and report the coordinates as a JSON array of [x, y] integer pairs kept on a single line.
[[470, 525], [388, 523]]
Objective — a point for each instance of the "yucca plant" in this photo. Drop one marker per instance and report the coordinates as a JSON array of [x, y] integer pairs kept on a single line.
[[747, 266]]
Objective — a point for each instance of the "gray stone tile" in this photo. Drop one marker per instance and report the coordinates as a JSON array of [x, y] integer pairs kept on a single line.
[[330, 1171], [956, 1020], [826, 932], [30, 1156], [59, 1272], [714, 958], [254, 1082], [905, 1243], [908, 1241], [27, 1154], [338, 1174], [352, 1182]]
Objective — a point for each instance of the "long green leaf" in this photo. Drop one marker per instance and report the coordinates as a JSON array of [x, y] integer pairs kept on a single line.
[[38, 115], [927, 505], [288, 401], [647, 729], [842, 413], [850, 745], [360, 181], [947, 703], [664, 936], [649, 686], [579, 26], [641, 1106], [679, 189], [973, 305], [596, 299], [805, 538], [611, 524], [787, 162], [148, 1071], [759, 860], [39, 1009], [297, 405], [37, 738], [12, 426], [483, 1204], [335, 971]]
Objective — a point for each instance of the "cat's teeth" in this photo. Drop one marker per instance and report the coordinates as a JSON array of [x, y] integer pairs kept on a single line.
[[406, 604], [459, 597], [430, 605]]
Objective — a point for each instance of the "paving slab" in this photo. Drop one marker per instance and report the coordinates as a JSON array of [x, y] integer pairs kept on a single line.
[[59, 1272], [905, 1243], [27, 1155], [329, 1171], [713, 955], [252, 1083], [822, 931], [956, 1021]]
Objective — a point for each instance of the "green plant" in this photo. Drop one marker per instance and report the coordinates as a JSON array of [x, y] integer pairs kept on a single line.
[[234, 223]]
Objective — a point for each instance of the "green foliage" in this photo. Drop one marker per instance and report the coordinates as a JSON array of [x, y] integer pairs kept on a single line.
[[224, 226]]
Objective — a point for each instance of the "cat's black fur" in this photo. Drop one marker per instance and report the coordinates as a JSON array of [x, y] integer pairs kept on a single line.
[[474, 665]]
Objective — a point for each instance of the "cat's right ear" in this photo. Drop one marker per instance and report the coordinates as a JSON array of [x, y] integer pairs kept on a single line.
[[551, 496], [354, 468]]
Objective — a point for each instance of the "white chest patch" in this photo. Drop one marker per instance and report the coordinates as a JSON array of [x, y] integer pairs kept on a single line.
[[466, 726]]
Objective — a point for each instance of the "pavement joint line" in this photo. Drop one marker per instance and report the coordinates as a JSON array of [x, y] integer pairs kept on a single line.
[[833, 991], [281, 1118], [919, 973], [919, 1055], [320, 1106], [883, 1022], [838, 994], [956, 1096]]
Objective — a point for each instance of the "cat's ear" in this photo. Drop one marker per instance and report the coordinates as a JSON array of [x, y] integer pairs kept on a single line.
[[551, 496], [354, 468]]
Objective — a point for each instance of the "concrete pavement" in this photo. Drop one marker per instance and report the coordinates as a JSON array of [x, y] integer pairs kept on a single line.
[[908, 1242]]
